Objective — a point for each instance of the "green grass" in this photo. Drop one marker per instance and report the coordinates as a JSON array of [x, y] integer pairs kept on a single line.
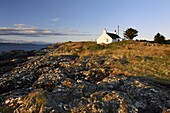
[[135, 58]]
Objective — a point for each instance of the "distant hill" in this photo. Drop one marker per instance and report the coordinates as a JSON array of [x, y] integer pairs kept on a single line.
[[15, 46]]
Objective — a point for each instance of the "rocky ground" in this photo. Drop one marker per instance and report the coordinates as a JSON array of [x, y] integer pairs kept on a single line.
[[39, 82]]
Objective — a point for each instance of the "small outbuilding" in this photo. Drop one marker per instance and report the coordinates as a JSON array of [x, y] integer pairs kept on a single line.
[[108, 38]]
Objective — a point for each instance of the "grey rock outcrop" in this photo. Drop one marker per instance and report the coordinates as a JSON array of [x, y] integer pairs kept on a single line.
[[69, 83]]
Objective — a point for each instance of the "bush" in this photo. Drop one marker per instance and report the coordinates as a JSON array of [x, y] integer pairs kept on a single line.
[[159, 38], [130, 33]]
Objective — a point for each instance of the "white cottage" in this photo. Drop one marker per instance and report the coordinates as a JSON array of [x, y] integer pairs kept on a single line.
[[108, 38]]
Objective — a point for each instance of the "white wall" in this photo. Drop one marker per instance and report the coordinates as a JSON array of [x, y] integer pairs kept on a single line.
[[104, 38], [116, 40]]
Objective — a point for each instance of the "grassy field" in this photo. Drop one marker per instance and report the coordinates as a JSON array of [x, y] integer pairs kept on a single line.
[[151, 60]]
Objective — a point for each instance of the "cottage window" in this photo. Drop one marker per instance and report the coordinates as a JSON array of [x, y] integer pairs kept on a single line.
[[107, 40]]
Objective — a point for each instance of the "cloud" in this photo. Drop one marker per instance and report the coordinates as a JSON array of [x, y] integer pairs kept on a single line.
[[68, 31], [27, 31], [19, 25], [55, 19], [24, 30]]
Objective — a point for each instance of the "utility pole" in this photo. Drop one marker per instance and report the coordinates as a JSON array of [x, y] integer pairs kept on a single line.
[[118, 30]]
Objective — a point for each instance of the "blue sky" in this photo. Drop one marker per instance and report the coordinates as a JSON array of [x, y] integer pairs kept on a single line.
[[77, 20]]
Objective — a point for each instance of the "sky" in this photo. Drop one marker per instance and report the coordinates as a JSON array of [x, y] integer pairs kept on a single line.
[[81, 20]]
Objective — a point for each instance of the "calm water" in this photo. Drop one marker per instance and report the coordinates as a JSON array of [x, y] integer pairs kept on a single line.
[[27, 47]]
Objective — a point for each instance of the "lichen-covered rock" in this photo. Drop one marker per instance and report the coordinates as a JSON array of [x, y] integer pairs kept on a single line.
[[68, 83]]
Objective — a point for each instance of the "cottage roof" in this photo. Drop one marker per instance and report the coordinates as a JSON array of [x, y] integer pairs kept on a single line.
[[113, 36]]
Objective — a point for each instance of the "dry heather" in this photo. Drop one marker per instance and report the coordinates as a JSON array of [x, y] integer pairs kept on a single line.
[[136, 58]]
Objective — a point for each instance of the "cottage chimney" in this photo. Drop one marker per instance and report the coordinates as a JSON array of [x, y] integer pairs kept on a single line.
[[105, 31], [115, 32]]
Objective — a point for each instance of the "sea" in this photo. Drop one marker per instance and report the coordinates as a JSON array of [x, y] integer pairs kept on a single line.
[[26, 47]]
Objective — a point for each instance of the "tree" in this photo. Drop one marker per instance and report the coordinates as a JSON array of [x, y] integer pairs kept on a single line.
[[130, 33], [159, 38]]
